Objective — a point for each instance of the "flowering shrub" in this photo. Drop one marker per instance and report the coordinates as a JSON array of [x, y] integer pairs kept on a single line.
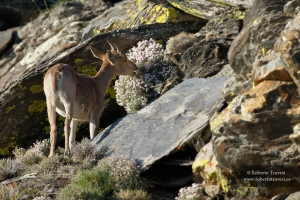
[[107, 179], [194, 192], [153, 66], [34, 154], [123, 172]]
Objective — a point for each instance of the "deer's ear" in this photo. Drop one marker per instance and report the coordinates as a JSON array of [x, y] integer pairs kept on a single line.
[[97, 53], [110, 56]]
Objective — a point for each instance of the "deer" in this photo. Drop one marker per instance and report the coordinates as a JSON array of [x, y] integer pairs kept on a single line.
[[80, 98]]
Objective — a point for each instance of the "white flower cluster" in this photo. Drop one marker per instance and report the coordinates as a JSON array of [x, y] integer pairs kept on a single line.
[[194, 192], [153, 66]]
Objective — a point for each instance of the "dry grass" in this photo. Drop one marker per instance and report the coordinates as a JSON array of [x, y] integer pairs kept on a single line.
[[91, 177]]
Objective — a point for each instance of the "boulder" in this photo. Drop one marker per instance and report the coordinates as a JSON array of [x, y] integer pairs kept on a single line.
[[6, 38], [134, 13], [262, 25], [25, 95], [252, 134], [207, 9], [293, 196], [205, 59], [288, 45], [207, 56], [165, 125]]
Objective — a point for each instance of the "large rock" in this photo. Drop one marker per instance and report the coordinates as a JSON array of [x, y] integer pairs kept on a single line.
[[252, 134], [205, 59], [288, 45], [207, 56], [262, 26], [134, 13], [25, 95], [210, 9], [165, 125]]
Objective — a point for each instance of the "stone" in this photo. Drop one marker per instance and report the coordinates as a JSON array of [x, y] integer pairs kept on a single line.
[[293, 196], [205, 58], [134, 13], [209, 9], [165, 125], [6, 38], [252, 133], [282, 196], [274, 70], [291, 8], [262, 24], [44, 185], [288, 45]]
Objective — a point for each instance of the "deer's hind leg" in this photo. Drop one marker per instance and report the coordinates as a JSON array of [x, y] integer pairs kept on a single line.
[[72, 139], [69, 105], [52, 120]]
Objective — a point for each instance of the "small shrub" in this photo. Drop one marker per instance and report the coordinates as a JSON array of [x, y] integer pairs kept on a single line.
[[83, 156], [138, 194], [34, 154], [153, 66], [10, 168], [180, 43], [83, 150], [105, 180], [123, 172], [89, 184], [194, 192]]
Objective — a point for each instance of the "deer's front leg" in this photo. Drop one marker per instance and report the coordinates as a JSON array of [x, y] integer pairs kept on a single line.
[[94, 123]]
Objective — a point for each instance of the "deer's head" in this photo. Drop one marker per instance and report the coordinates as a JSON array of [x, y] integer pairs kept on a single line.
[[116, 59]]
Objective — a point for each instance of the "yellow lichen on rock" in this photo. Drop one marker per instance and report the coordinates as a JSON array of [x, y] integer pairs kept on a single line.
[[37, 106], [78, 60], [222, 181], [10, 108], [8, 148], [36, 89]]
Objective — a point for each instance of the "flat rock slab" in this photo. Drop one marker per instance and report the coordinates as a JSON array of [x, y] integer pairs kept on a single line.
[[159, 128]]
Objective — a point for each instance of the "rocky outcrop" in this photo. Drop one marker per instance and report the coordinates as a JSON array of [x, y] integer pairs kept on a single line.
[[165, 125], [208, 55], [208, 9], [262, 24], [257, 134], [134, 13]]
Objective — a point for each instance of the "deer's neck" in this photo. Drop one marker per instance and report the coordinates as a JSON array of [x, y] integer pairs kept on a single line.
[[104, 76]]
